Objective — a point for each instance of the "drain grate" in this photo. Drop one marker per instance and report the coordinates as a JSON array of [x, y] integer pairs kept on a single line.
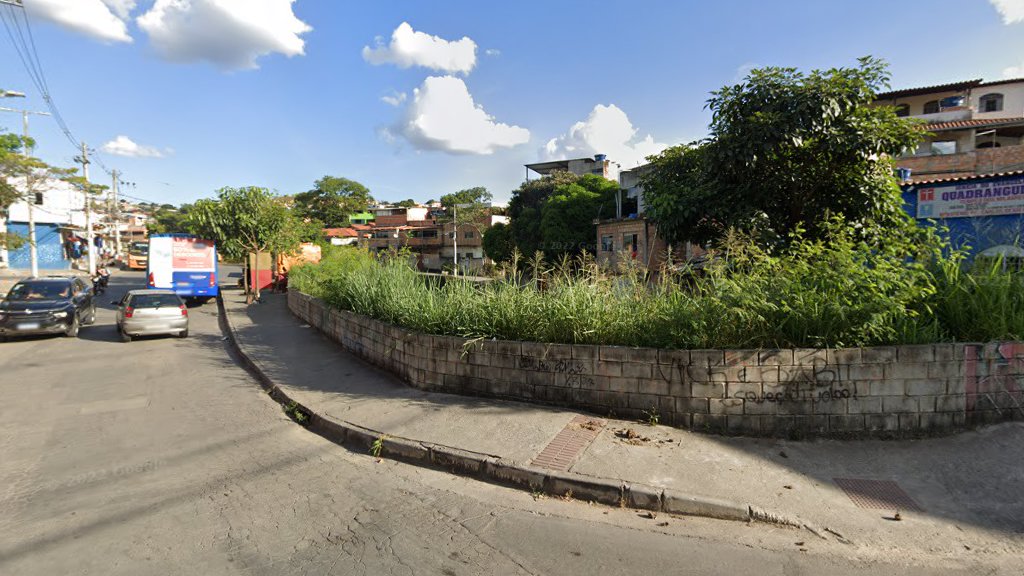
[[569, 443], [880, 494]]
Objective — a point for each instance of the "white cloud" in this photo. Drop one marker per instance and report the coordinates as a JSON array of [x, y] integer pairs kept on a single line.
[[90, 17], [395, 98], [607, 130], [125, 146], [232, 34], [492, 52], [121, 7], [1014, 71], [1012, 11], [411, 48], [443, 116]]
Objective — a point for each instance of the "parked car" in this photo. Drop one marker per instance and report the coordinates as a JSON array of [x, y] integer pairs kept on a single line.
[[47, 305], [151, 312]]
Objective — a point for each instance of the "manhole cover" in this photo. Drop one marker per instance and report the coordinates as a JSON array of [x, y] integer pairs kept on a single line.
[[880, 494]]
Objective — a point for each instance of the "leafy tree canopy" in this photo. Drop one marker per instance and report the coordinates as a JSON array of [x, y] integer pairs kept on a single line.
[[785, 151], [475, 195], [498, 243], [168, 219], [556, 214], [246, 220], [407, 203], [332, 200]]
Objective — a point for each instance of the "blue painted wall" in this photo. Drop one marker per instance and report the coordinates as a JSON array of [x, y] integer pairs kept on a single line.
[[978, 233], [49, 247]]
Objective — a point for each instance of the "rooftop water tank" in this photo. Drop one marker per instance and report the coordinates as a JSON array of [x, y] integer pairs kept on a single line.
[[600, 157]]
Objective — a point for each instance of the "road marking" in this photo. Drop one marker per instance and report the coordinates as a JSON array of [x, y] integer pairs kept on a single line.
[[103, 406]]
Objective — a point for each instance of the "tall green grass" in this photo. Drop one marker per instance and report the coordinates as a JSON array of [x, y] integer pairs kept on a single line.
[[835, 292]]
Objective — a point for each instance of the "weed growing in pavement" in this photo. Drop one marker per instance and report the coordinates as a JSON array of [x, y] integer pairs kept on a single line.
[[292, 410], [651, 416], [378, 445]]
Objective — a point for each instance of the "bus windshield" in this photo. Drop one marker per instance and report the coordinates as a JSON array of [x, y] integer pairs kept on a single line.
[[139, 248]]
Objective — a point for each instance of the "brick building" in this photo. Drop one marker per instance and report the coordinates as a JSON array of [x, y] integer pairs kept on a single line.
[[430, 235]]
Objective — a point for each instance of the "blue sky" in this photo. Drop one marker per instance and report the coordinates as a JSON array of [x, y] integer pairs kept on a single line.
[[186, 96]]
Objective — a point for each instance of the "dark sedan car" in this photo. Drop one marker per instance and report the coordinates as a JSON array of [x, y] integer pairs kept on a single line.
[[51, 305]]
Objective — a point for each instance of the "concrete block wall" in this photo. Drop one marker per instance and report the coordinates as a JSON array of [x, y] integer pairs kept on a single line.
[[877, 391]]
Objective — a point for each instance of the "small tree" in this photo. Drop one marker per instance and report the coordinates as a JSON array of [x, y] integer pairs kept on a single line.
[[244, 221], [22, 177]]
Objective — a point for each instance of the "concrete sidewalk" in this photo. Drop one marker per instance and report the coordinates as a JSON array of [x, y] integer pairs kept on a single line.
[[969, 488]]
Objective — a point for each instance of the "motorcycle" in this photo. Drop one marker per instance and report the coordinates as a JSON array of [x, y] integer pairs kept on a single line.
[[99, 283]]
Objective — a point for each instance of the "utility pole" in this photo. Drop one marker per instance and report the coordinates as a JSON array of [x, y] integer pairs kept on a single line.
[[115, 213], [30, 202], [84, 159]]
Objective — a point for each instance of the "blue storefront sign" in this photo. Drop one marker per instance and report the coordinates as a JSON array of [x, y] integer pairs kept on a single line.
[[980, 212]]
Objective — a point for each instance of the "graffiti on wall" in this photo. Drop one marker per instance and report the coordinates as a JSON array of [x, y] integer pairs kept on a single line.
[[573, 370], [994, 383]]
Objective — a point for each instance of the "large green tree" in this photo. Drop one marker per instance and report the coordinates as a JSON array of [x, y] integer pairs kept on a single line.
[[332, 200], [785, 150], [247, 220], [556, 214]]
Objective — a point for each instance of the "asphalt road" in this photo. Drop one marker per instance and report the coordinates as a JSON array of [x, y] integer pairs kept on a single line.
[[162, 456]]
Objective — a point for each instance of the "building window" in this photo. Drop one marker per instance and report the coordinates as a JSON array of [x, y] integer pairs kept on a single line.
[[468, 235], [903, 110], [991, 103], [606, 243], [382, 234], [931, 107], [987, 144], [39, 198], [423, 234], [944, 147], [629, 243]]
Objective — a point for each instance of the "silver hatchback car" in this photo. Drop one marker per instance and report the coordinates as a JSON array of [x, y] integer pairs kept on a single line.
[[150, 312]]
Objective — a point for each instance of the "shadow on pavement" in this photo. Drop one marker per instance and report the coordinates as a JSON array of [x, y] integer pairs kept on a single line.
[[973, 478]]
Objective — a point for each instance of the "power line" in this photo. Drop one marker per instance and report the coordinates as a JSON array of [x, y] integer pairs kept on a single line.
[[24, 43]]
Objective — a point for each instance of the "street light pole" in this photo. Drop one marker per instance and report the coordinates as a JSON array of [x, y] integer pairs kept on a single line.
[[455, 237]]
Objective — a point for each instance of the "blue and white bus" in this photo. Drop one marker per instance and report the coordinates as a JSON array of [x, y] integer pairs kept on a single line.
[[183, 263]]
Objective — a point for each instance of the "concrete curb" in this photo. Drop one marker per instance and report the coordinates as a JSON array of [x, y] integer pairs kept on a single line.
[[609, 491]]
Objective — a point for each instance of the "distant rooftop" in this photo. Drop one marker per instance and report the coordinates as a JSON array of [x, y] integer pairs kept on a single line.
[[545, 168], [951, 87]]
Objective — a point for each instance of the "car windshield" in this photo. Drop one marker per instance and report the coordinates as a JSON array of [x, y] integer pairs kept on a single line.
[[155, 300], [39, 291]]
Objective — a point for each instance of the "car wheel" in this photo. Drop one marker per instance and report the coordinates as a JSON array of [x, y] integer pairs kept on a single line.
[[72, 331], [125, 337], [92, 315], [183, 333]]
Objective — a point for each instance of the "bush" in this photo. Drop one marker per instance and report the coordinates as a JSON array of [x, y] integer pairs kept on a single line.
[[835, 291]]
